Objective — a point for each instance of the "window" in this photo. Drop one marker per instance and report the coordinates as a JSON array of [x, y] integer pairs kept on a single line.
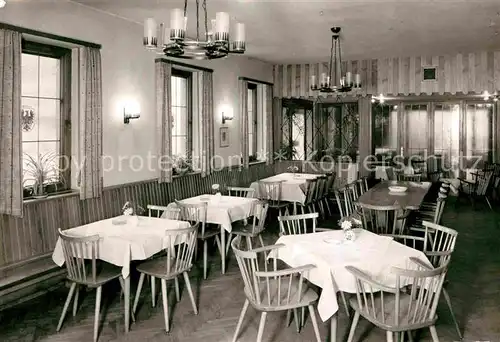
[[45, 118], [252, 121], [182, 113]]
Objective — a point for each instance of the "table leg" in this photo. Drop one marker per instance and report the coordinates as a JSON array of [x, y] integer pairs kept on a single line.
[[127, 303], [333, 328], [223, 249]]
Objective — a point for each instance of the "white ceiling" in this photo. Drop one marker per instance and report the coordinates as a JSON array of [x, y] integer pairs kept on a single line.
[[298, 31]]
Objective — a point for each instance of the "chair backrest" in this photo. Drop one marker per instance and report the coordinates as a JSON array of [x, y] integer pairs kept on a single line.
[[409, 311], [345, 201], [441, 243], [258, 216], [168, 213], [311, 185], [330, 179], [80, 254], [388, 220], [389, 171], [180, 246], [271, 289], [410, 178], [240, 192], [484, 182], [270, 191], [320, 187], [418, 166], [298, 224], [194, 213], [440, 203]]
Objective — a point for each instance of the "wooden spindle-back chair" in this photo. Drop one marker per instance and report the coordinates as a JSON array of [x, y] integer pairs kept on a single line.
[[81, 258], [252, 227], [197, 213], [388, 220], [271, 193], [240, 192], [177, 260], [395, 310], [298, 224], [168, 213], [269, 290]]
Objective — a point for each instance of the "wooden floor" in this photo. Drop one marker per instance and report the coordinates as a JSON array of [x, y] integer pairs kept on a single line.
[[474, 287]]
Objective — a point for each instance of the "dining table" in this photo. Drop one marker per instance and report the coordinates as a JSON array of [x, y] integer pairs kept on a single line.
[[331, 253], [121, 240], [381, 195], [293, 185], [223, 211]]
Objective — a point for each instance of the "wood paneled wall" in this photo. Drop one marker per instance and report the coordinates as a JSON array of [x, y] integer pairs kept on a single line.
[[36, 233], [469, 73], [293, 80]]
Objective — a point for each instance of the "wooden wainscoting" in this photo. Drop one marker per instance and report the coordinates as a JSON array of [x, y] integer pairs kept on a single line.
[[36, 233]]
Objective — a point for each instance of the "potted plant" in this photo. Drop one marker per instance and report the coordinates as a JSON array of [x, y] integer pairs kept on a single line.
[[42, 173], [181, 165]]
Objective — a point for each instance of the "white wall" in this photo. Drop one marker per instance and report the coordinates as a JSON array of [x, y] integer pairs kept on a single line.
[[128, 75]]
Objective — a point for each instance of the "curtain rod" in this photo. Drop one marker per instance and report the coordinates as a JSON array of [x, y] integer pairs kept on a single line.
[[48, 35], [185, 65], [255, 81]]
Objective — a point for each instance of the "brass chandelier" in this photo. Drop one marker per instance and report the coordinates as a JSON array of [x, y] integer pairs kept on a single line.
[[214, 43], [336, 81]]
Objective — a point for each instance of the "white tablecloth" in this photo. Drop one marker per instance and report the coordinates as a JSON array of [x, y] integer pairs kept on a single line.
[[372, 253], [138, 239], [223, 210], [293, 188]]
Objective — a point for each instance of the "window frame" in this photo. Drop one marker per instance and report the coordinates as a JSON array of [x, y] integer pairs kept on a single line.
[[188, 75], [64, 56]]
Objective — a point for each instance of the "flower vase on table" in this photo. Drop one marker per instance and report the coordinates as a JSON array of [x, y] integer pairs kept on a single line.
[[131, 212], [348, 225], [293, 170]]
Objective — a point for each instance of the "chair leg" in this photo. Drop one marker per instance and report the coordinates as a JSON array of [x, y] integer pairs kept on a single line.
[[261, 240], [152, 280], [75, 301], [355, 321], [97, 310], [240, 320], [389, 336], [138, 292], [228, 245], [262, 323], [342, 295], [164, 297], [448, 301], [288, 316], [333, 328], [205, 259], [249, 243], [314, 322], [296, 319], [66, 305], [190, 292], [488, 201], [303, 317], [177, 291], [434, 334]]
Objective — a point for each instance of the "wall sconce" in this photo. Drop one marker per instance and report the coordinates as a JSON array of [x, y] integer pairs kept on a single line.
[[227, 117], [131, 111]]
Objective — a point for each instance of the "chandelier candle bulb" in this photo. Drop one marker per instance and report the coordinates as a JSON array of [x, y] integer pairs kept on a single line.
[[221, 26], [348, 78], [313, 80], [239, 41], [177, 24], [150, 39], [357, 80], [323, 79]]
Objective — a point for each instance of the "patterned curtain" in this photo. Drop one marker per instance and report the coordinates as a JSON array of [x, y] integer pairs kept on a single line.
[[269, 124], [163, 72], [277, 122], [90, 125], [11, 194], [207, 123], [243, 87]]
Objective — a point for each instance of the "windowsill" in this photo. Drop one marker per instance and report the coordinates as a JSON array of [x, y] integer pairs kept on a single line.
[[186, 174], [257, 162], [60, 194]]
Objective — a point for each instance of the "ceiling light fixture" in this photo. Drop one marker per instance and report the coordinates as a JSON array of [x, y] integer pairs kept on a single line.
[[487, 96], [2, 3], [173, 42], [336, 81]]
